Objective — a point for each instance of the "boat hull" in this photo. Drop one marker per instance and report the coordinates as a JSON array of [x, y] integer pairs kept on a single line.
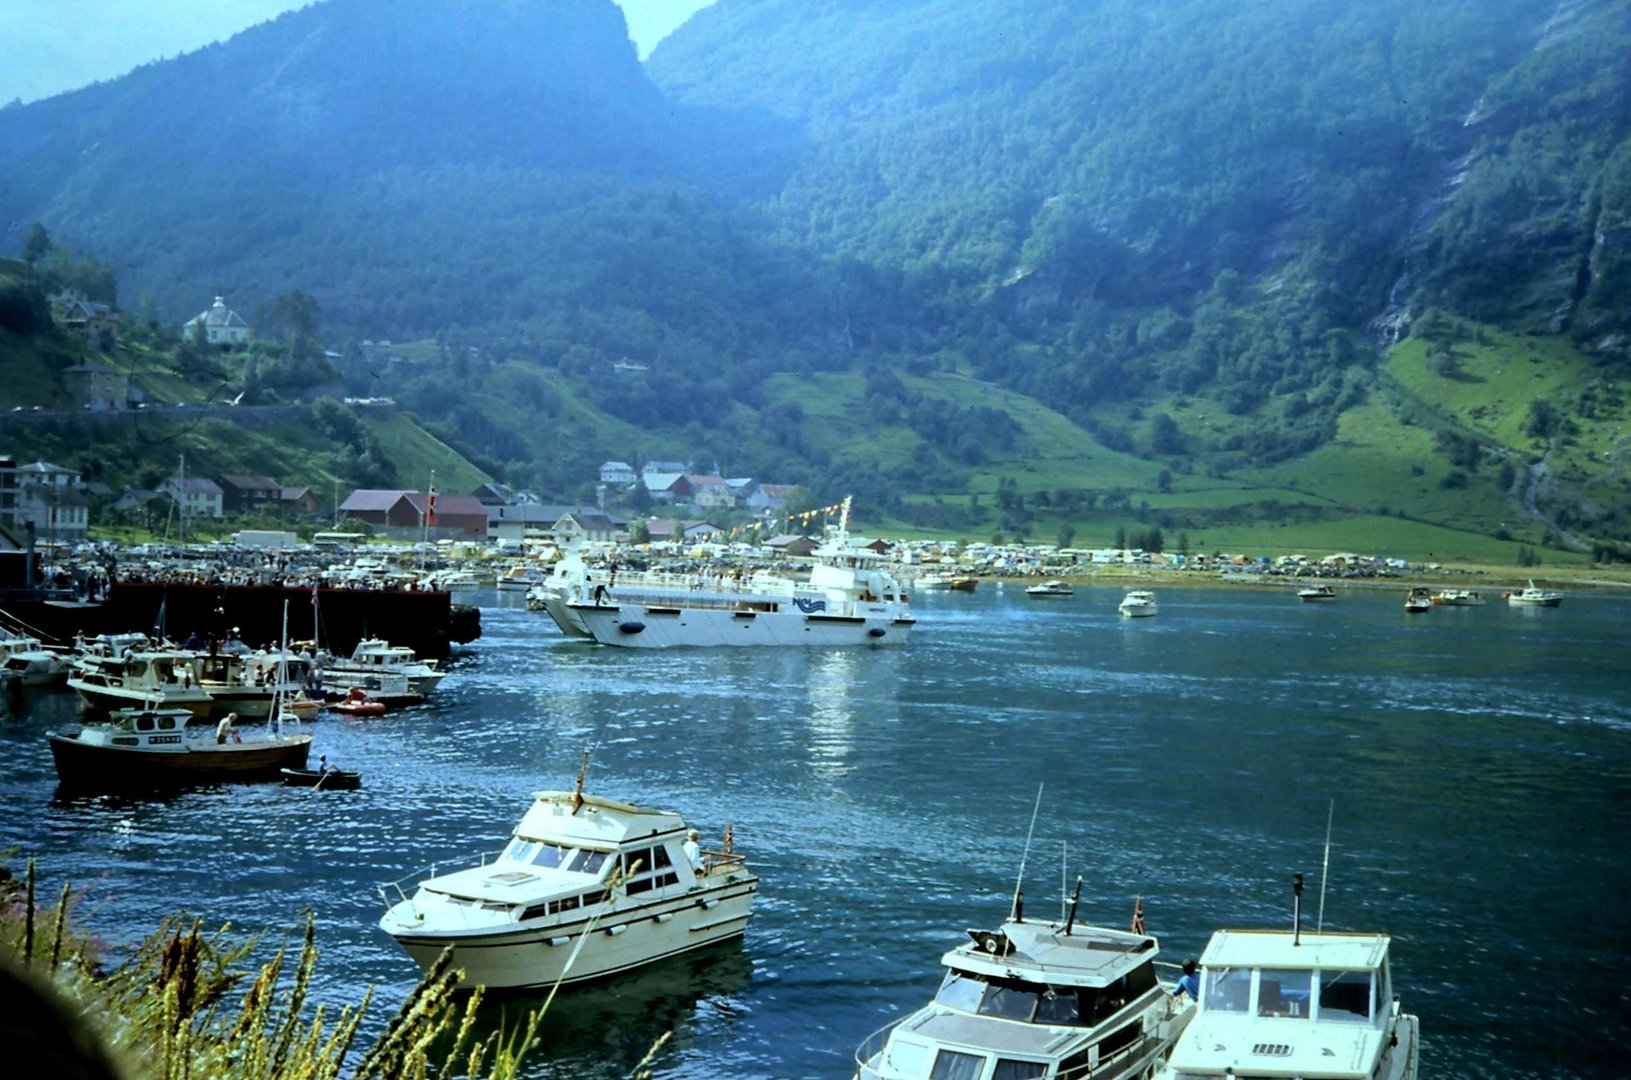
[[634, 626], [83, 765], [618, 941]]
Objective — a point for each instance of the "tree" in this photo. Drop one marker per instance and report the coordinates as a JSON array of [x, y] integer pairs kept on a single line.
[[1121, 538], [1067, 533], [639, 532], [37, 244]]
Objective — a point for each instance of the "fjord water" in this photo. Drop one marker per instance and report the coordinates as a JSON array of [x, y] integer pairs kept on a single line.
[[1478, 761]]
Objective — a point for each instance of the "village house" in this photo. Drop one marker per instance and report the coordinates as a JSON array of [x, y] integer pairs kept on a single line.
[[298, 500], [403, 515], [87, 318], [219, 325], [195, 496], [96, 386], [592, 527], [617, 474], [46, 495], [662, 467], [662, 529], [518, 521], [791, 546], [771, 497], [666, 487], [711, 491], [242, 492]]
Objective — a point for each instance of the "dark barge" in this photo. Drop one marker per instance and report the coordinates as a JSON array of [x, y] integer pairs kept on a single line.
[[426, 621]]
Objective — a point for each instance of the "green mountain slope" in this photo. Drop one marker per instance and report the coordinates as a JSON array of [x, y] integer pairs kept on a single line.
[[1071, 259]]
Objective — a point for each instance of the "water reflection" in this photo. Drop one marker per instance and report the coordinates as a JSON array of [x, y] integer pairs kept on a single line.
[[605, 1029], [832, 716]]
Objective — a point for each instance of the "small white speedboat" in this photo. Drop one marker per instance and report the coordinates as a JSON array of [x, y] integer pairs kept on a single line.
[[1051, 589], [1138, 604]]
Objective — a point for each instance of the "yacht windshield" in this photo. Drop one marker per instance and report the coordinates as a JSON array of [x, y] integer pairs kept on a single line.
[[1284, 993], [1228, 989], [1345, 995], [550, 856]]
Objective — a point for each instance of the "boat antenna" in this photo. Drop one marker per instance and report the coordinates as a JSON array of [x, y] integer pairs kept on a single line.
[[1064, 859], [577, 792], [1325, 865], [1070, 920], [1297, 909], [1019, 897]]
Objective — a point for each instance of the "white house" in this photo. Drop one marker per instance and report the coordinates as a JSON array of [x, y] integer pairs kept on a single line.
[[619, 473], [221, 327], [196, 496]]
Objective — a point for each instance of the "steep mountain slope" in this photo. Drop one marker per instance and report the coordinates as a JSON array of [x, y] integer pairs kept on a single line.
[[858, 245]]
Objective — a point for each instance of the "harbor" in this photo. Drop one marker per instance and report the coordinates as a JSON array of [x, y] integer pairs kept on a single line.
[[1472, 763]]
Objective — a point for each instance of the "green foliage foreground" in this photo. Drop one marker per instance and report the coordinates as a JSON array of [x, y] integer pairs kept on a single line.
[[173, 1009]]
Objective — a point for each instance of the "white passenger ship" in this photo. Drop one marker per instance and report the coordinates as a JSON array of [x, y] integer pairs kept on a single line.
[[587, 887], [1036, 1001], [849, 599]]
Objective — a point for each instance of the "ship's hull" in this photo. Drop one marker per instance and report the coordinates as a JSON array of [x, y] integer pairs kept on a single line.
[[90, 766], [635, 626], [617, 941]]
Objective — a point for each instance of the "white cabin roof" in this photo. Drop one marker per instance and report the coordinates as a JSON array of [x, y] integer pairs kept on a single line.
[[1275, 949], [597, 823], [1040, 952]]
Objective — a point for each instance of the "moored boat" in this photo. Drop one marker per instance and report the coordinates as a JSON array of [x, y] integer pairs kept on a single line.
[[1036, 1001], [375, 657], [1418, 600], [586, 888], [31, 663], [1048, 589], [1283, 1004], [155, 748], [150, 679], [1534, 597], [1458, 598], [1314, 594]]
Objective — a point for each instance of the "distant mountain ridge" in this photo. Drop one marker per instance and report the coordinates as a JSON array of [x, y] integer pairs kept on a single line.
[[1184, 226]]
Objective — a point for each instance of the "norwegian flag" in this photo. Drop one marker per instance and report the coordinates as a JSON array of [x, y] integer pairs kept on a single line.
[[430, 505]]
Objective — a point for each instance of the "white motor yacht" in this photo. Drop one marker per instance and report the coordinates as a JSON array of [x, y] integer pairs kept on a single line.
[[32, 663], [1036, 1001], [1314, 594], [1050, 588], [1279, 1004], [156, 679], [587, 887], [1458, 598], [1138, 604], [376, 657], [1534, 597]]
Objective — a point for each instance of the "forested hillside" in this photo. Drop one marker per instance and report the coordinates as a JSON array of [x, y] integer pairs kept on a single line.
[[1189, 229]]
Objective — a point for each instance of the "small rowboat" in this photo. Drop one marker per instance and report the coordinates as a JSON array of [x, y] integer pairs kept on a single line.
[[357, 703], [328, 779]]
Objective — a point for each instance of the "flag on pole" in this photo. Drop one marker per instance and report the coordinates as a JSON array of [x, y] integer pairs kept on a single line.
[[430, 506]]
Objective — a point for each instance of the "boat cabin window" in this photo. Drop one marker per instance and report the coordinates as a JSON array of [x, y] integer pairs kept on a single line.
[[954, 1065], [1012, 1069], [1345, 995], [1015, 1000], [1284, 993], [646, 869], [553, 856], [1228, 989]]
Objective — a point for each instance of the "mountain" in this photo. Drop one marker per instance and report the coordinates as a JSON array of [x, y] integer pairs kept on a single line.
[[1224, 244]]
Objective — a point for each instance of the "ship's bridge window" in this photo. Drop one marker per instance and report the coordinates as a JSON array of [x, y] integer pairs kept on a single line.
[[1345, 995], [1283, 993], [954, 1065], [1012, 1069], [1228, 989]]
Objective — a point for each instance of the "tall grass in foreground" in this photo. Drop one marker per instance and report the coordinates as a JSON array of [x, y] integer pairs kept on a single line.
[[188, 1004]]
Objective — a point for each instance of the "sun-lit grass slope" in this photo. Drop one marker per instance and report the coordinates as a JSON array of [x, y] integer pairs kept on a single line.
[[417, 453]]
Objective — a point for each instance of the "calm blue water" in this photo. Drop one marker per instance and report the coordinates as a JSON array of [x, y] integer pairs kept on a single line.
[[1479, 761]]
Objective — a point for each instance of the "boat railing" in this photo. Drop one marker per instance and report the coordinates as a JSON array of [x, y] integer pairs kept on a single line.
[[872, 1046], [413, 878], [722, 862]]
